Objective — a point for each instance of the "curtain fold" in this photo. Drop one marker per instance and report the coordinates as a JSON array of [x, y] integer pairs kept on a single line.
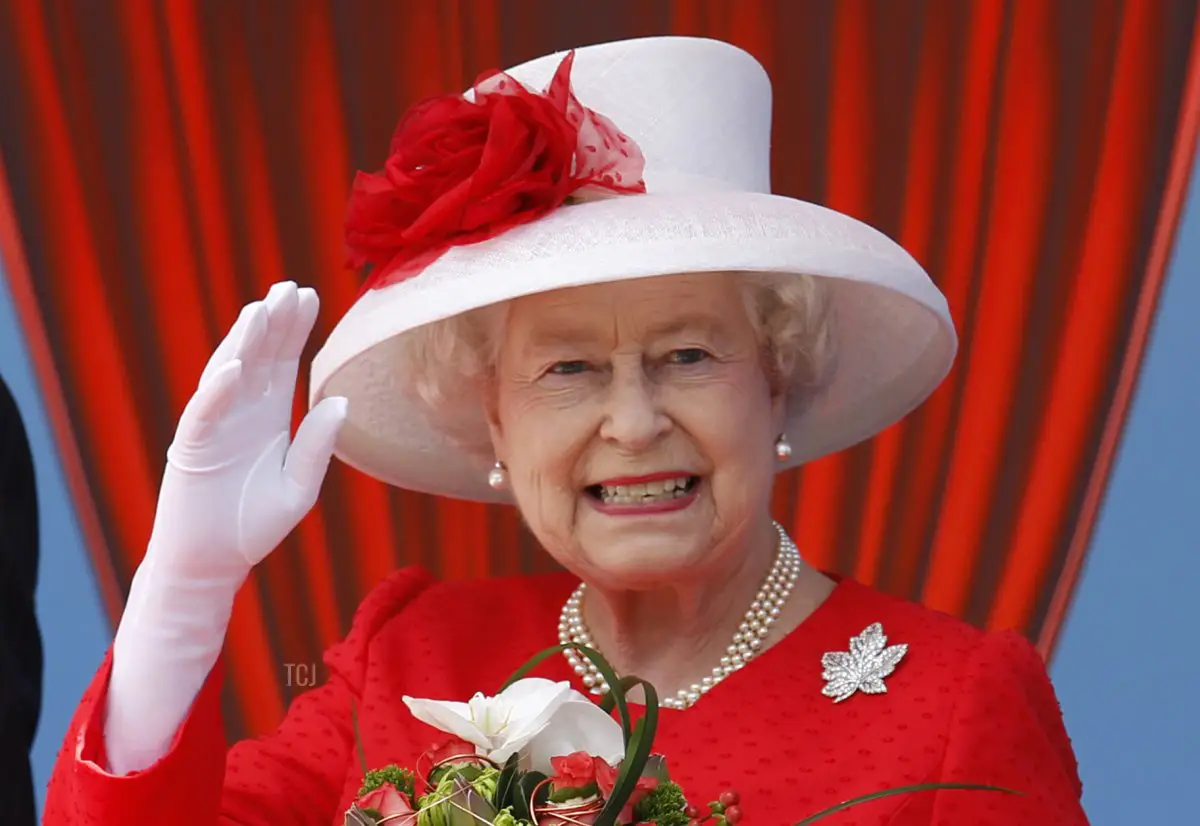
[[167, 161]]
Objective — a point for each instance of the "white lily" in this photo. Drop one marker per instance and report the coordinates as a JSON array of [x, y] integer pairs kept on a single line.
[[535, 718]]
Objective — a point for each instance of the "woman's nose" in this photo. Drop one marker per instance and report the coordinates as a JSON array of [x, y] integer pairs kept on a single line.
[[634, 419]]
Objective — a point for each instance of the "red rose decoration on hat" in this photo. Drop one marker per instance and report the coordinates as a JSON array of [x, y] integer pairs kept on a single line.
[[461, 171]]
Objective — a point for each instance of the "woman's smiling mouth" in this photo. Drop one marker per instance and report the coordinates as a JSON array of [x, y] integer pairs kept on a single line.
[[652, 493]]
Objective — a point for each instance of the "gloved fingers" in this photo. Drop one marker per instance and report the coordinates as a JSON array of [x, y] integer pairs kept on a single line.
[[307, 305], [308, 457], [287, 363], [243, 335], [283, 301], [209, 404], [280, 304]]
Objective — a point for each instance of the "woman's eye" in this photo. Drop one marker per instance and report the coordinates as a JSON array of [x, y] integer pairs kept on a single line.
[[688, 355], [568, 368]]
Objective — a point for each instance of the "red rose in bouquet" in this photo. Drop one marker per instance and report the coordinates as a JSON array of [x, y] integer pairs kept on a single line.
[[606, 778], [449, 749], [386, 801], [461, 171], [575, 771]]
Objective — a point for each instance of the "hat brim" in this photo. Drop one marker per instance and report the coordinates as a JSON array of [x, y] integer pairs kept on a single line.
[[894, 339]]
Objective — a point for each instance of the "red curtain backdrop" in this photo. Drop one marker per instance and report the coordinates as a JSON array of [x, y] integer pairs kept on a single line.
[[166, 162]]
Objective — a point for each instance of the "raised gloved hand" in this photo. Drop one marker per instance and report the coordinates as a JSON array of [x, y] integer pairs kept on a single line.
[[235, 485]]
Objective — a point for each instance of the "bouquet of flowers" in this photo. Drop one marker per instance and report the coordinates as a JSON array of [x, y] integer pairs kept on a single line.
[[542, 754]]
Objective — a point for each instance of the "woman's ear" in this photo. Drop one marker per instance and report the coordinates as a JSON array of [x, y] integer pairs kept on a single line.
[[778, 410], [491, 322], [777, 386], [489, 392]]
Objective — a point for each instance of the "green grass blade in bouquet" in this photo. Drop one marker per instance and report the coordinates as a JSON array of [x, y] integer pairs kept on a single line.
[[505, 783], [609, 701], [920, 787], [637, 752], [528, 790], [362, 756]]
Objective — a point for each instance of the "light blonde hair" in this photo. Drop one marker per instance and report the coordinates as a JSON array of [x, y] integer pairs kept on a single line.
[[448, 362]]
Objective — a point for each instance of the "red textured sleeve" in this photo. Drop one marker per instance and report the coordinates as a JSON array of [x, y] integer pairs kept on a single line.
[[293, 775], [1007, 730]]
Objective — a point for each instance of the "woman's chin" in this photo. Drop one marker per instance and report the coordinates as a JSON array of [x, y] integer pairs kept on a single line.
[[635, 567], [645, 550]]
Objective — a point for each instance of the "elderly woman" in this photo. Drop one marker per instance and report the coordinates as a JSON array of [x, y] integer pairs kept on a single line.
[[584, 300]]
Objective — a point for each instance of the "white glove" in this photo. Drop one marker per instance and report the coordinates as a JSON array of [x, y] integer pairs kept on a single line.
[[235, 485]]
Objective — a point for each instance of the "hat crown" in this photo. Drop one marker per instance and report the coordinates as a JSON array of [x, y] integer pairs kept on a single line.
[[700, 110]]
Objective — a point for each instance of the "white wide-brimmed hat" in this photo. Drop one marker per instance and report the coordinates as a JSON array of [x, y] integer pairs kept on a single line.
[[700, 111]]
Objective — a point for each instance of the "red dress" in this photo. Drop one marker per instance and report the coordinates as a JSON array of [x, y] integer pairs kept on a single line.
[[963, 705]]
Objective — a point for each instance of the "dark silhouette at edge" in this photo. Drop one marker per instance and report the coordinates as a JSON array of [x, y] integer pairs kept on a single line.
[[20, 639]]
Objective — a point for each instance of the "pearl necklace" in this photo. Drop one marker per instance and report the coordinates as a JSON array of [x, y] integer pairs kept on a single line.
[[747, 642]]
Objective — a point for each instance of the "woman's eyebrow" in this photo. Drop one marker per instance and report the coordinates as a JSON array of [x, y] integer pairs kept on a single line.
[[565, 333]]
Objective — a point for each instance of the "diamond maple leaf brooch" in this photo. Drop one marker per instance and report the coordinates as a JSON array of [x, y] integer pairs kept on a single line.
[[864, 667]]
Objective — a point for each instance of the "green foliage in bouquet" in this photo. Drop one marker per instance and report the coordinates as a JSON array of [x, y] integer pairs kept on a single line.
[[402, 779], [528, 793], [665, 805], [463, 795], [514, 790]]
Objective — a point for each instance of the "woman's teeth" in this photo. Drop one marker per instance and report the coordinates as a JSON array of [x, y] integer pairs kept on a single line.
[[657, 491]]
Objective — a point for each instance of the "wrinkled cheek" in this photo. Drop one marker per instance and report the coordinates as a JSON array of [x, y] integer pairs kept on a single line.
[[548, 508], [737, 494], [547, 437]]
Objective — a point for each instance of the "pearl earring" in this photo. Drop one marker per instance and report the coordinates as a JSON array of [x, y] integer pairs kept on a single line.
[[498, 475], [783, 448]]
